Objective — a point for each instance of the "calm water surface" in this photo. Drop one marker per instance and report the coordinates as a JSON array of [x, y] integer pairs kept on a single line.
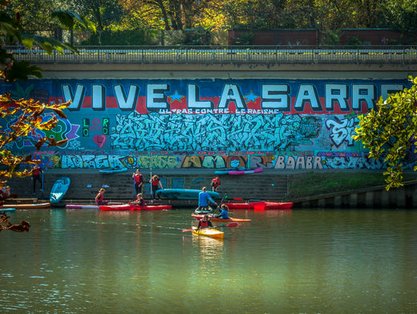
[[304, 261]]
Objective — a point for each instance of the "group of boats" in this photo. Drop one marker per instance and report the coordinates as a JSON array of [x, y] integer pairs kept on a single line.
[[61, 186]]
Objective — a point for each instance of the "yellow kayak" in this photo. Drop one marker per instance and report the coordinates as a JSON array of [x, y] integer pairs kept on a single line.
[[209, 232]]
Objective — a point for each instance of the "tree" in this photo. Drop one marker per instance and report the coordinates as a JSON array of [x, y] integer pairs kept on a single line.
[[23, 116], [389, 132]]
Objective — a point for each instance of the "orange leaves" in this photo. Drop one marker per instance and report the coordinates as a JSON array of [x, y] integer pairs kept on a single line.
[[26, 116]]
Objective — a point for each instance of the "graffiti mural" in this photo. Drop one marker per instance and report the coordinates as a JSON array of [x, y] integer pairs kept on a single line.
[[216, 123]]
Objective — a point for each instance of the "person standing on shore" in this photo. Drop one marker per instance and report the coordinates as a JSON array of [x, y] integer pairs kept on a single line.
[[156, 185], [215, 183], [138, 179]]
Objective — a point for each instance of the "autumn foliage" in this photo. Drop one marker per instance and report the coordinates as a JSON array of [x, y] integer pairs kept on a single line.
[[24, 116]]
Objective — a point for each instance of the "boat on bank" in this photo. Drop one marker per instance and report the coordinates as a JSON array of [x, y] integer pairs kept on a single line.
[[183, 194], [7, 209], [150, 207], [59, 189], [262, 205], [239, 205], [239, 172], [81, 206], [132, 207], [29, 205], [112, 170]]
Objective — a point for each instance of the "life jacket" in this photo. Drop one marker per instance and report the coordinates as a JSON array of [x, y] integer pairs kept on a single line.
[[204, 224], [36, 171], [155, 182], [138, 178], [215, 182]]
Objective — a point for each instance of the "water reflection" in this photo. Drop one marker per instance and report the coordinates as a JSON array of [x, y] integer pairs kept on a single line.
[[209, 248], [282, 262]]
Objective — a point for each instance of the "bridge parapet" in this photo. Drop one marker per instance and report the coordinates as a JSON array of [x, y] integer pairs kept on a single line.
[[208, 55]]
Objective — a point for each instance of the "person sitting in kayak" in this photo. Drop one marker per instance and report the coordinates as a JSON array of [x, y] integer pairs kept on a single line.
[[100, 197], [204, 223], [204, 200], [224, 212], [139, 200]]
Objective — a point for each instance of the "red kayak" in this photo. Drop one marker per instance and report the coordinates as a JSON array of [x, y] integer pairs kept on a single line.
[[150, 207], [272, 205], [125, 207], [114, 207], [239, 205], [231, 219]]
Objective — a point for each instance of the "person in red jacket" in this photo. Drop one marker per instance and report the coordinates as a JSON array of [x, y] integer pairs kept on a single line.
[[215, 183], [138, 179], [205, 222], [156, 185], [36, 176]]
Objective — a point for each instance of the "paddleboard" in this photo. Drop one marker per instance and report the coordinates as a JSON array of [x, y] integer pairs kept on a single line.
[[7, 209], [59, 189], [81, 206], [30, 206]]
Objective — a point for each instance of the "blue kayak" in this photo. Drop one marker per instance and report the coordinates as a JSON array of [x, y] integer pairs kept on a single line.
[[112, 170], [183, 194], [59, 189]]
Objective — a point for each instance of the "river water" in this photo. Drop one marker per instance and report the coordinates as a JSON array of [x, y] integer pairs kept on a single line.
[[300, 261]]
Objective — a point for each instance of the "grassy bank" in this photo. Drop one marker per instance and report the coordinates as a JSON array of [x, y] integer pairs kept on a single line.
[[316, 183]]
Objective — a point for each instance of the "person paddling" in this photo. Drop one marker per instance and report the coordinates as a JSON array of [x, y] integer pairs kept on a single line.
[[204, 223], [224, 212], [139, 200]]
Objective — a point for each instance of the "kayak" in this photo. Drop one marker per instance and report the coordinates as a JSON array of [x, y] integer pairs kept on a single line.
[[59, 189], [271, 205], [124, 207], [239, 205], [114, 207], [217, 219], [81, 206], [183, 194], [112, 170], [208, 232], [237, 172], [150, 207]]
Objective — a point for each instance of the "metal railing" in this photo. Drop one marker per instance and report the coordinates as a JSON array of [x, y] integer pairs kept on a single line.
[[235, 55]]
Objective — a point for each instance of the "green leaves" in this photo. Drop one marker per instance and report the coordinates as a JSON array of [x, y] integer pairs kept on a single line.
[[389, 132], [70, 20]]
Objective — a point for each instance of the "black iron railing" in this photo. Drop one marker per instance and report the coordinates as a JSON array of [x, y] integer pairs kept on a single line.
[[237, 55]]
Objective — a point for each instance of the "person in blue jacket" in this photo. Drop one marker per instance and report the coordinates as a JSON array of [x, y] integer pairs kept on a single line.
[[204, 200], [224, 212]]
